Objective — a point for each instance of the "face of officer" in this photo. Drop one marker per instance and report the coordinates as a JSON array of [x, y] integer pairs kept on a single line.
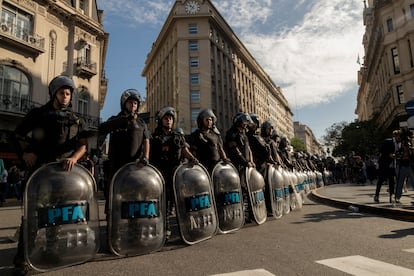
[[131, 106], [62, 98], [167, 122], [208, 122]]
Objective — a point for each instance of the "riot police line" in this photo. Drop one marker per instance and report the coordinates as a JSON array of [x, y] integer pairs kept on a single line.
[[61, 212]]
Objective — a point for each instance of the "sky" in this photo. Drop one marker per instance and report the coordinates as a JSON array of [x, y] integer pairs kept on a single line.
[[310, 48]]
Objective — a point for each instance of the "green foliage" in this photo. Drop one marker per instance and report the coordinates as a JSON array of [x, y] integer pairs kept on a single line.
[[298, 145], [362, 138]]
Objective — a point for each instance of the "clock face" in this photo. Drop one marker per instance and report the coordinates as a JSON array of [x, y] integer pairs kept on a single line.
[[192, 7]]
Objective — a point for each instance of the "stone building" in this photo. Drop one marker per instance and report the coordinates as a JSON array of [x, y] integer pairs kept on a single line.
[[386, 76], [198, 62], [39, 40]]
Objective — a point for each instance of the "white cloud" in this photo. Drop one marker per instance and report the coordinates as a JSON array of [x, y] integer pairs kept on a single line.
[[312, 58], [244, 13], [316, 60]]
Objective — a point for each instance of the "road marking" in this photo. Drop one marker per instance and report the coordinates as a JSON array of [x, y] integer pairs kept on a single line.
[[255, 272], [409, 250], [362, 266]]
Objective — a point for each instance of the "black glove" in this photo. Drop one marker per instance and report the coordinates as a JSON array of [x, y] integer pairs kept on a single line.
[[193, 161], [143, 161]]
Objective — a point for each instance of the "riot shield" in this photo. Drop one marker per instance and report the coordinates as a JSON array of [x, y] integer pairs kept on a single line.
[[255, 184], [228, 196], [61, 222], [286, 192], [278, 192], [137, 211], [195, 204], [295, 198]]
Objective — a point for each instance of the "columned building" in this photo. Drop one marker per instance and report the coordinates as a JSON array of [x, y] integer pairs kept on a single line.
[[305, 134], [39, 40], [386, 75], [198, 62]]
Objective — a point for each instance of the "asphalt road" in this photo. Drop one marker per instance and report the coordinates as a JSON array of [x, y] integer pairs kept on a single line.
[[292, 245]]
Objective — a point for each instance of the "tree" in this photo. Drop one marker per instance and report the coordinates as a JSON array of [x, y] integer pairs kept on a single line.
[[362, 138], [298, 144]]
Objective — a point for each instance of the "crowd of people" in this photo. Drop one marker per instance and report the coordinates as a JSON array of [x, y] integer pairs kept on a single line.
[[57, 134]]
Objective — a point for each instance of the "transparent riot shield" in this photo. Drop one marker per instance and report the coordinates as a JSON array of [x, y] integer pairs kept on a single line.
[[137, 211], [195, 203], [61, 222], [277, 181], [295, 198], [286, 192], [228, 196], [255, 186]]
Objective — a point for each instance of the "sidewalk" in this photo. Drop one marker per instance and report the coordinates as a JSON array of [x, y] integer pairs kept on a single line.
[[362, 197]]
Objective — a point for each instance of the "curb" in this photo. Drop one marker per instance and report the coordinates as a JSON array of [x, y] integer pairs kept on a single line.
[[393, 213]]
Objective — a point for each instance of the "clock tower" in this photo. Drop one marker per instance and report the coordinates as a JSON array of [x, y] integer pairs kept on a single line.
[[192, 6]]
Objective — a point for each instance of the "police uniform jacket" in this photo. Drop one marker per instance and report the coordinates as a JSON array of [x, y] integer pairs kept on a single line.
[[54, 135]]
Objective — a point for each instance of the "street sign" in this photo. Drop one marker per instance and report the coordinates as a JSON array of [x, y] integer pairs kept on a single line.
[[409, 107]]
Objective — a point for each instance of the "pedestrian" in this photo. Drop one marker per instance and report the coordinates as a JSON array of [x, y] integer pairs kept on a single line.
[[129, 137], [3, 183], [405, 164], [57, 134], [15, 181], [168, 148], [387, 164], [205, 142]]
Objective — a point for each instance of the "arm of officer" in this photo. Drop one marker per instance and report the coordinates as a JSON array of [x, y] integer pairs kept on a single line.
[[68, 163]]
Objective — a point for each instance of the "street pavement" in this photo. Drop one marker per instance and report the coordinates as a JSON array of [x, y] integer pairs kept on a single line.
[[360, 198], [354, 197]]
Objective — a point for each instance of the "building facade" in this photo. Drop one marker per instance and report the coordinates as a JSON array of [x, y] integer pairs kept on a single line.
[[39, 40], [198, 62], [386, 75], [305, 134]]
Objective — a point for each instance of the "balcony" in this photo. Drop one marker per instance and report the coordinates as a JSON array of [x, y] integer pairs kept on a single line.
[[12, 104], [85, 68], [16, 37]]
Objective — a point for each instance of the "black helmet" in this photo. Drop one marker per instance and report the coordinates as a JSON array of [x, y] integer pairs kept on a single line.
[[130, 94], [274, 134], [168, 110], [240, 118], [58, 82], [264, 127], [205, 113], [255, 119]]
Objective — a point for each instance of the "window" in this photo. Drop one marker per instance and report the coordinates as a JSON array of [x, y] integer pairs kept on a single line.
[[395, 60], [194, 79], [400, 94], [194, 115], [85, 55], [192, 29], [390, 26], [193, 46], [14, 87], [412, 10], [19, 23], [194, 62], [195, 96], [83, 102]]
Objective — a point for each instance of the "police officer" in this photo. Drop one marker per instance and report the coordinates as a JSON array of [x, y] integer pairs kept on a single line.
[[260, 149], [56, 134], [205, 142], [237, 144], [168, 149], [129, 139], [270, 136]]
